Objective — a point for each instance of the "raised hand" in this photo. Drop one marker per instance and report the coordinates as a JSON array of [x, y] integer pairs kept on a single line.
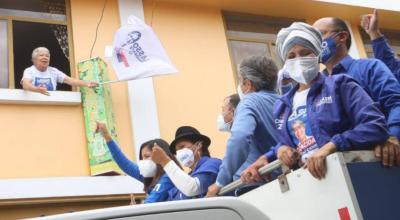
[[369, 22], [159, 156]]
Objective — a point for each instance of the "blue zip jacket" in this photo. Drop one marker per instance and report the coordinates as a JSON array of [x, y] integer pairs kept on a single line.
[[338, 110], [383, 52], [252, 134], [379, 82], [159, 192], [206, 172]]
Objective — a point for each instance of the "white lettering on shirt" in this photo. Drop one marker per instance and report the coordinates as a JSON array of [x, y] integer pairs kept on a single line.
[[324, 100]]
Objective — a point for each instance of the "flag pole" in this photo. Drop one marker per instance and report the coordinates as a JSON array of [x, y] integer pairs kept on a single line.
[[109, 82]]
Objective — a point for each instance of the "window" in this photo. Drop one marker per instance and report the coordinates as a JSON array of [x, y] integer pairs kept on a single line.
[[25, 25], [393, 37], [250, 35]]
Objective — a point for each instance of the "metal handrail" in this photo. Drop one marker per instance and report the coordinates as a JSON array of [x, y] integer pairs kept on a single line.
[[262, 171]]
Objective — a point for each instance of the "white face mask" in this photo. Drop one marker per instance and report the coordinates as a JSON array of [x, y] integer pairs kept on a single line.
[[303, 69], [147, 168], [222, 125], [240, 92], [185, 156]]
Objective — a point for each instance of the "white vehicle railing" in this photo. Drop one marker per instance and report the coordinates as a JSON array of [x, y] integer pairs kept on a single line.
[[262, 171]]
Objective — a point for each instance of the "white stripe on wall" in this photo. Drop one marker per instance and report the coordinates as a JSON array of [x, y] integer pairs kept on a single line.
[[353, 51], [142, 100]]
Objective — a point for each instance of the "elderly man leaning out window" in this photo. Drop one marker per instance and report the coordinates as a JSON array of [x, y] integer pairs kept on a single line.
[[42, 78]]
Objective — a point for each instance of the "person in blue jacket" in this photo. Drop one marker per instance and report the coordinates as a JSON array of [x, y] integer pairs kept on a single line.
[[380, 46], [372, 75], [225, 118], [156, 182], [321, 114], [191, 149], [252, 132]]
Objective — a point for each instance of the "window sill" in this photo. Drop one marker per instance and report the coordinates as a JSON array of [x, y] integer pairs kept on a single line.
[[19, 96]]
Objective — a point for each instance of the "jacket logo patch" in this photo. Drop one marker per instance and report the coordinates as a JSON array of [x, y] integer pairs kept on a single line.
[[279, 123], [324, 100], [157, 187]]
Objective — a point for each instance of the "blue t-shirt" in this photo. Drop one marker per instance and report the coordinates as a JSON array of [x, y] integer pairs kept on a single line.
[[299, 126], [160, 191]]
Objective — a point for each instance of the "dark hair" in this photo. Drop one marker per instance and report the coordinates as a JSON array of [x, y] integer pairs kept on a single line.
[[150, 182], [234, 100], [261, 71], [204, 150], [341, 25]]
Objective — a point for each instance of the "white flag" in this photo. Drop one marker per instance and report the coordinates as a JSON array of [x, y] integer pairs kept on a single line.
[[138, 53]]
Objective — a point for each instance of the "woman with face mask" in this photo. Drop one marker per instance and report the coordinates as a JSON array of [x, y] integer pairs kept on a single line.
[[157, 184], [225, 119], [321, 114], [191, 149]]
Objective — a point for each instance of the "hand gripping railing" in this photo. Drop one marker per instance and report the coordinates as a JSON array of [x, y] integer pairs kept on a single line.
[[262, 171]]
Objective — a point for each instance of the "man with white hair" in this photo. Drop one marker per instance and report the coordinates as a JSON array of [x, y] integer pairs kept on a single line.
[[252, 132], [42, 78]]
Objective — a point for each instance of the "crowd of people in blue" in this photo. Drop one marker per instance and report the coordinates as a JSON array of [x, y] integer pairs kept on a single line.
[[299, 115]]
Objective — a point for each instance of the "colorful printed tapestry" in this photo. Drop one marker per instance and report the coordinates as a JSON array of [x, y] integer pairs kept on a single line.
[[97, 106]]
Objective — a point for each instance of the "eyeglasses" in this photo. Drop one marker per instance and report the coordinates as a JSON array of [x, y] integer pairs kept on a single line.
[[330, 31]]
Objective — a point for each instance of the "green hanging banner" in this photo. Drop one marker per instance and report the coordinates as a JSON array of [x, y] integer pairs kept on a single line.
[[97, 106]]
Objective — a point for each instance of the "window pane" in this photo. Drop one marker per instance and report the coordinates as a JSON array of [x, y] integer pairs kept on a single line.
[[257, 35], [243, 49], [3, 55], [396, 50], [393, 37], [277, 61]]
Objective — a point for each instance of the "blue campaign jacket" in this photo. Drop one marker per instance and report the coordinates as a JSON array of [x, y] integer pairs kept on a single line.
[[252, 134], [383, 52], [206, 171], [338, 110], [158, 193], [379, 82]]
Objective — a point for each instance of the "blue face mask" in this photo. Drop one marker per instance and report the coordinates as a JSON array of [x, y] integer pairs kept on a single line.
[[286, 88], [328, 49]]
